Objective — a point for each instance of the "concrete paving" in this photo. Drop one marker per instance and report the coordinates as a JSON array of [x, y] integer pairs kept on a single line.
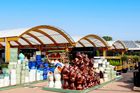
[[35, 88], [124, 85]]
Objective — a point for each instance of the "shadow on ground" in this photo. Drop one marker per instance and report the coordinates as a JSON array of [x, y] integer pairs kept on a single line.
[[128, 80]]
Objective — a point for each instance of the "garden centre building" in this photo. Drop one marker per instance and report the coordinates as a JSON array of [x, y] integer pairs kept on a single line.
[[43, 52]]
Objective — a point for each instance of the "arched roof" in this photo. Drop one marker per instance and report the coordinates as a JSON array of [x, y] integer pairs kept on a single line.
[[91, 40], [118, 44], [39, 35]]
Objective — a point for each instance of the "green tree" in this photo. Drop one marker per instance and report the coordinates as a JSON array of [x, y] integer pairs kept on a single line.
[[107, 38]]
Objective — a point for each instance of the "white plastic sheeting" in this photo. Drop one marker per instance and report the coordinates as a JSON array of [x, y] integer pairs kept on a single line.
[[91, 41], [38, 35], [117, 44]]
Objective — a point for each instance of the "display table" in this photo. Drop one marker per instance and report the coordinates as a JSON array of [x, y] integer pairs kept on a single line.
[[81, 91]]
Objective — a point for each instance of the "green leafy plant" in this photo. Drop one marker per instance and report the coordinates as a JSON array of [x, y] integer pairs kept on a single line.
[[98, 53], [136, 58], [124, 58]]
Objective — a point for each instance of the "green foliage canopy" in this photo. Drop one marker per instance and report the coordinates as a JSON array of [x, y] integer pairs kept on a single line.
[[107, 38]]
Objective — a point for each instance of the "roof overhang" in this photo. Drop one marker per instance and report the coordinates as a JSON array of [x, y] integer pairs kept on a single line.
[[39, 35], [92, 40]]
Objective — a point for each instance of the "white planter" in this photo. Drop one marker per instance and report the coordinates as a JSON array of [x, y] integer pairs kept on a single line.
[[96, 65], [32, 75], [102, 69], [26, 79], [41, 77], [1, 83], [38, 76], [50, 80], [106, 79], [13, 81], [100, 61], [13, 71], [97, 70], [105, 75], [101, 81], [57, 77], [51, 84], [58, 70], [58, 84], [104, 66], [6, 81]]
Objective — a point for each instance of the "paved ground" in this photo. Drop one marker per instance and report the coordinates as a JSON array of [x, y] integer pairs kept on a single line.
[[124, 85], [37, 89]]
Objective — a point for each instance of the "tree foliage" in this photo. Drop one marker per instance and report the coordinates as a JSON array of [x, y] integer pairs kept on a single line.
[[107, 38]]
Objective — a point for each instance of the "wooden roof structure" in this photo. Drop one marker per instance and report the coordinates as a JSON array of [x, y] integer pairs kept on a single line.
[[36, 36]]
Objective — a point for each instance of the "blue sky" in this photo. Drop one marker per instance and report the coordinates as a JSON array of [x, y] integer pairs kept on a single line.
[[117, 18]]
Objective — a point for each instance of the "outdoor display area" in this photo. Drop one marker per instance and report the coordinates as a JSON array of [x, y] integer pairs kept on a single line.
[[89, 72], [82, 72]]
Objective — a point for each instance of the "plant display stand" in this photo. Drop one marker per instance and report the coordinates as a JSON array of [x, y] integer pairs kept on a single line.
[[81, 91]]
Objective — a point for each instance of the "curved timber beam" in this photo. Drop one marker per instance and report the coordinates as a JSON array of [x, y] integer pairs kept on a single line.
[[90, 41], [45, 34], [18, 43], [30, 44], [81, 43], [99, 38], [33, 36], [69, 39], [121, 43], [114, 46]]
